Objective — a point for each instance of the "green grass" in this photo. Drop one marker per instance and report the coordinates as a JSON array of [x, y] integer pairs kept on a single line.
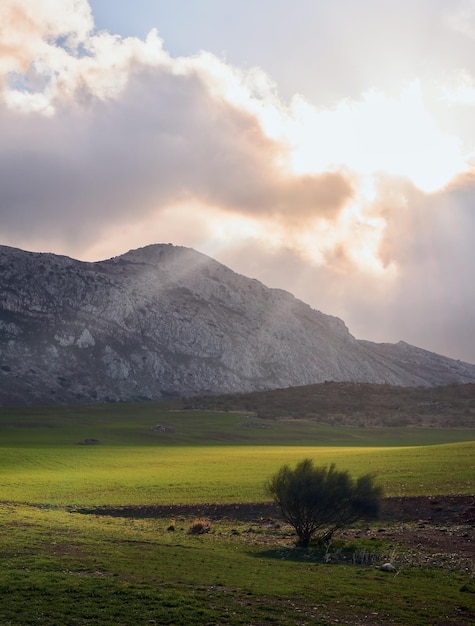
[[206, 456], [131, 424], [93, 475], [67, 568]]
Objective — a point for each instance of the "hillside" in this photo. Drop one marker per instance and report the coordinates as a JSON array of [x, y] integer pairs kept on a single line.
[[166, 321], [353, 404]]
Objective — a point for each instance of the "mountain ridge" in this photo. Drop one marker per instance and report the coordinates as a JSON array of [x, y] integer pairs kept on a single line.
[[165, 321]]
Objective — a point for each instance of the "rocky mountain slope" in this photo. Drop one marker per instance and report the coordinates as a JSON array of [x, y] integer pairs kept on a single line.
[[167, 321]]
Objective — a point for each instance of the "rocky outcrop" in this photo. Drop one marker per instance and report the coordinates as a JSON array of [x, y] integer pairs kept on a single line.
[[166, 321]]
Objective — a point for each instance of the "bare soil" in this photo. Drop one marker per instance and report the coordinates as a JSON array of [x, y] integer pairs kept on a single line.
[[453, 509], [434, 531]]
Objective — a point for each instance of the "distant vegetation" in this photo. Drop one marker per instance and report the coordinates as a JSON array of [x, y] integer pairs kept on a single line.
[[355, 404]]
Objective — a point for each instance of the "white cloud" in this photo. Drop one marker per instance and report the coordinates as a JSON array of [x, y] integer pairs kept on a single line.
[[29, 32], [461, 17], [460, 89], [396, 135]]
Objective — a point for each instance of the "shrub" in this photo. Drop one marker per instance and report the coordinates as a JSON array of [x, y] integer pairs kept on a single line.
[[199, 527], [318, 501]]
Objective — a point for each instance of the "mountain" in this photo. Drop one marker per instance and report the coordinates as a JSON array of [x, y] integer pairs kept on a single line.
[[165, 321]]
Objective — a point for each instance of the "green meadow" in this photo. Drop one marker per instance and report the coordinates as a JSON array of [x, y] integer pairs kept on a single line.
[[91, 569]]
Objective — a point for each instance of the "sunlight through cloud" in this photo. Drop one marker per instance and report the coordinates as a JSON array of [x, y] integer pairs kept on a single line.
[[375, 134]]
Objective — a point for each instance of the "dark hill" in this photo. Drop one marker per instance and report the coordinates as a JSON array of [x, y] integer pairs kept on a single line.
[[353, 404]]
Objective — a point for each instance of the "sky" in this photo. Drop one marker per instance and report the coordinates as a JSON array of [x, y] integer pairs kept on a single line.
[[325, 148]]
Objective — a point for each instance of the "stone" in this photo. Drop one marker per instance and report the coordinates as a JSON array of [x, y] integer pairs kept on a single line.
[[388, 567], [166, 321], [86, 340]]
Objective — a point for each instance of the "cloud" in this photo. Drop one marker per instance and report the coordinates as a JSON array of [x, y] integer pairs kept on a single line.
[[164, 141], [29, 54], [433, 301], [426, 299], [396, 135], [361, 209], [460, 90], [29, 29], [123, 132], [461, 17]]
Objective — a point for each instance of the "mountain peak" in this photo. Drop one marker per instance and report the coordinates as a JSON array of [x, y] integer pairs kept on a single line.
[[166, 320]]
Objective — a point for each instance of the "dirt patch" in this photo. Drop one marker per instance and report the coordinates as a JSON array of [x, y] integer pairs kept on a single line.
[[433, 531], [425, 531], [253, 512], [449, 546], [456, 509]]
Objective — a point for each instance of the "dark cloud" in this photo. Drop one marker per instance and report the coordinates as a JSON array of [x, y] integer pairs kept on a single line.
[[429, 298], [433, 302], [165, 140]]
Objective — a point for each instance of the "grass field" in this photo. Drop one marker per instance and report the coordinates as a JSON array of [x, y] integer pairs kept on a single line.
[[149, 455], [94, 475], [61, 567], [123, 424]]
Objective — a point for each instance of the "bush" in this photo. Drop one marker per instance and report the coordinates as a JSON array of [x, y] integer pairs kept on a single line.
[[318, 501], [199, 527]]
